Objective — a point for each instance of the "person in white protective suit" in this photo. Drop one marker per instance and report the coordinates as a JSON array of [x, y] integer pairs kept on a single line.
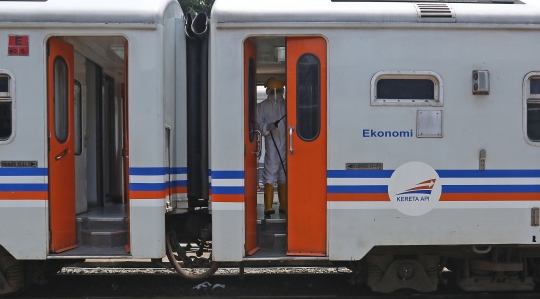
[[272, 124]]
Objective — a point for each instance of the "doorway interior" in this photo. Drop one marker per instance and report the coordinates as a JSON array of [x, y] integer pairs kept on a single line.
[[300, 62], [94, 216]]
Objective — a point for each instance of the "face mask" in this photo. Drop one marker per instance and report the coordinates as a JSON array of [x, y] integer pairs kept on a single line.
[[275, 95]]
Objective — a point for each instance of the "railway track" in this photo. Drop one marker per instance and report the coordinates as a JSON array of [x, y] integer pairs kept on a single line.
[[98, 282]]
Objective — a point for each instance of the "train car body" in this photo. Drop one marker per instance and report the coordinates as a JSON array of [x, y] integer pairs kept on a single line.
[[411, 128], [89, 131], [411, 136]]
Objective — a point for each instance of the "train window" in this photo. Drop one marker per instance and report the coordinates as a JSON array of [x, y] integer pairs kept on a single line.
[[533, 121], [61, 100], [406, 89], [534, 86], [308, 99], [532, 103], [78, 119], [4, 86], [6, 107], [252, 98]]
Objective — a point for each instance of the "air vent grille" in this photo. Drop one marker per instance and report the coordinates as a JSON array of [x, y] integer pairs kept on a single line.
[[435, 12]]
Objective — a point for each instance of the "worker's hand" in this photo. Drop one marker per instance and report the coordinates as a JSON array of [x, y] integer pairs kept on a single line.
[[271, 126]]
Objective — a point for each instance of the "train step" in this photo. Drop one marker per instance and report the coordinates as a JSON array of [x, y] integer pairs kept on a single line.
[[102, 231], [272, 234], [278, 226], [272, 241], [104, 238], [95, 223]]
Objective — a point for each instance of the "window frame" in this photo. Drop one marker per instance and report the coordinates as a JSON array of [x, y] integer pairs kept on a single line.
[[252, 98], [297, 105], [78, 119], [57, 117], [10, 98], [528, 98], [421, 75]]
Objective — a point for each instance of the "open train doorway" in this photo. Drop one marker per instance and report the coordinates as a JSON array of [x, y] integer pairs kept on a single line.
[[299, 222], [87, 119]]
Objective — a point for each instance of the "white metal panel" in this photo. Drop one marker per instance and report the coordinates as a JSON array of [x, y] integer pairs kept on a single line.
[[471, 123], [228, 233], [226, 101], [64, 12], [279, 12], [24, 228], [147, 231], [365, 228], [180, 134], [146, 122], [29, 98]]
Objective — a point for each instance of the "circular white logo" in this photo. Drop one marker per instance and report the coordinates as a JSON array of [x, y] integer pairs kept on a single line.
[[414, 188]]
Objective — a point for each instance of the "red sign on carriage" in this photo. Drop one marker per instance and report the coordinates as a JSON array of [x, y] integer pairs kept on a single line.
[[18, 45]]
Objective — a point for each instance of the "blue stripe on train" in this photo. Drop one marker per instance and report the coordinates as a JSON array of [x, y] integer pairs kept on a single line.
[[24, 187], [228, 174], [147, 186], [445, 189], [490, 188], [227, 190], [496, 173], [182, 183], [358, 189], [24, 171]]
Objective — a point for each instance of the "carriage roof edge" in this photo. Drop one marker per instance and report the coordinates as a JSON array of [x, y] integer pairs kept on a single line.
[[326, 11], [90, 12]]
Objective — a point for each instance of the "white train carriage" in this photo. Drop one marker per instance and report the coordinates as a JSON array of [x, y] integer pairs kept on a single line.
[[89, 128], [413, 129], [413, 137]]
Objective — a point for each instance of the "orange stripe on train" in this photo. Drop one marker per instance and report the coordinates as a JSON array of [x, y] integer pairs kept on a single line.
[[228, 198], [358, 197], [25, 195]]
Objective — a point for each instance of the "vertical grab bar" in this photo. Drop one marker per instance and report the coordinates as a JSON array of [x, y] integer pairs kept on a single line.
[[259, 143], [291, 149]]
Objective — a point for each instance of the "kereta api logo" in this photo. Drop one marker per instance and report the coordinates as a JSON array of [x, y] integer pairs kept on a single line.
[[424, 187], [414, 188]]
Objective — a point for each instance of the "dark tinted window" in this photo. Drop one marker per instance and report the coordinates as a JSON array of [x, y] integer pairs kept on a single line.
[[535, 86], [60, 99], [406, 89], [308, 100], [4, 84], [252, 97], [78, 118], [533, 121], [5, 120]]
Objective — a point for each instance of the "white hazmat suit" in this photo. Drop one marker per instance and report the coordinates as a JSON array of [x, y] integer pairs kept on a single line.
[[269, 111]]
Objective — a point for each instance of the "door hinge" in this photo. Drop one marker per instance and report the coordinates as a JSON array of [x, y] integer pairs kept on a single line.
[[48, 49], [482, 160], [50, 237], [535, 217]]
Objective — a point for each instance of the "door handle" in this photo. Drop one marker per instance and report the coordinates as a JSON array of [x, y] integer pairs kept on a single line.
[[62, 154], [259, 143], [291, 149]]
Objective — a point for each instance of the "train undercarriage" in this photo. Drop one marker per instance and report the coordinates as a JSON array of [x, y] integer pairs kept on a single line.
[[384, 269]]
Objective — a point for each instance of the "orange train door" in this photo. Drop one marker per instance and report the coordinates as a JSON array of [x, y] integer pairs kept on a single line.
[[250, 143], [60, 98], [306, 157]]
